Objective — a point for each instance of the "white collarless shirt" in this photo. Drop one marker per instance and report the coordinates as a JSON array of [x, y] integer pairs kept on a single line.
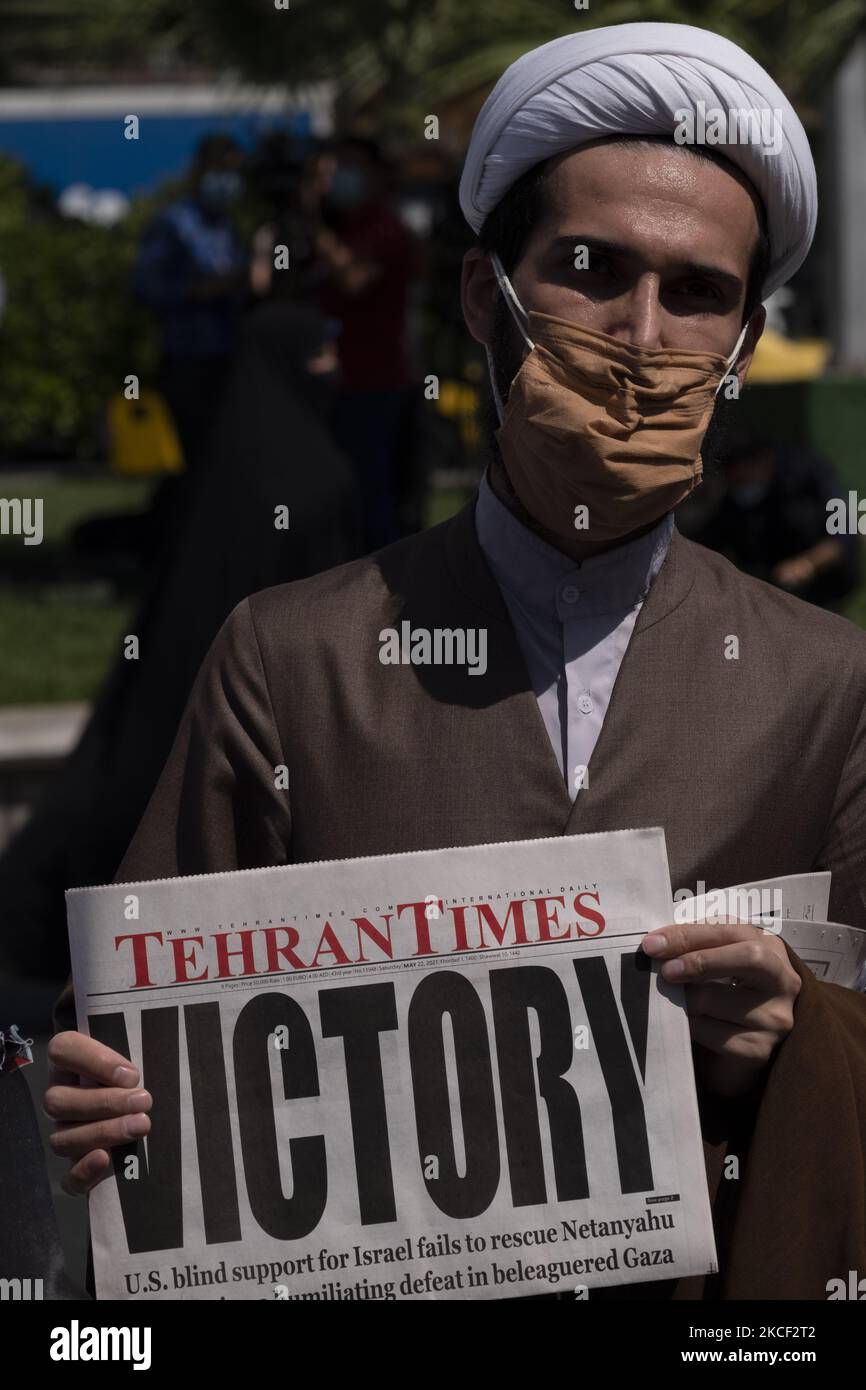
[[573, 622]]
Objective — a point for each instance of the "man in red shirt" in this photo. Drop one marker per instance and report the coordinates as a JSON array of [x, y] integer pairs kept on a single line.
[[368, 260]]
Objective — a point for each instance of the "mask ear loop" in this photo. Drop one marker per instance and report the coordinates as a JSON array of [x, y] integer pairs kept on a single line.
[[497, 399], [519, 314], [521, 318], [732, 360]]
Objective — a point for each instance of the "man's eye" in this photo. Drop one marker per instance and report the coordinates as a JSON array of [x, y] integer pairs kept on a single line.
[[598, 265], [698, 289], [587, 266]]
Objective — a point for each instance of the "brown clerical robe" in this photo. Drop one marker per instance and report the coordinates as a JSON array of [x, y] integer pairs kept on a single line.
[[736, 722]]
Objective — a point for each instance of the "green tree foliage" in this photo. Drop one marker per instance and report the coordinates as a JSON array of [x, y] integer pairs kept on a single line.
[[405, 55], [70, 331]]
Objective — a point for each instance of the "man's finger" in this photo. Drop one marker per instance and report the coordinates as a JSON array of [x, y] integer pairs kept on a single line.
[[678, 937], [749, 962], [77, 1104], [83, 1056], [84, 1175], [74, 1141]]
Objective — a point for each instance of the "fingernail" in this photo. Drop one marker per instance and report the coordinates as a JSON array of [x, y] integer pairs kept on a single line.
[[138, 1102], [673, 969], [136, 1125], [655, 944], [124, 1076]]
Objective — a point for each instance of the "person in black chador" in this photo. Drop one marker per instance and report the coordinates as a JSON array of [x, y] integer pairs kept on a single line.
[[269, 448]]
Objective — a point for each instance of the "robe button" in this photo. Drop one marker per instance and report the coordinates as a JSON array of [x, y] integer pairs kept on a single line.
[[570, 594]]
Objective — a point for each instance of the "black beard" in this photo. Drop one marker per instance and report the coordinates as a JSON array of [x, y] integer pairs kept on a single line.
[[723, 433], [507, 351]]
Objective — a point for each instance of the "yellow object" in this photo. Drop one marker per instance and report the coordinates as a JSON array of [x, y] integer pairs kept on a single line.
[[459, 401], [142, 436], [779, 359]]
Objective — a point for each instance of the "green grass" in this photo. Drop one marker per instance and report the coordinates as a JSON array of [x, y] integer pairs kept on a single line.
[[56, 649], [57, 641], [66, 501]]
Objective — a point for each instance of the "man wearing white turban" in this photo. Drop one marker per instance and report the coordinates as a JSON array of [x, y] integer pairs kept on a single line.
[[630, 678], [636, 192]]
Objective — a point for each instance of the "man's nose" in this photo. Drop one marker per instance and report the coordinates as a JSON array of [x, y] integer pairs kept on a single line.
[[636, 315]]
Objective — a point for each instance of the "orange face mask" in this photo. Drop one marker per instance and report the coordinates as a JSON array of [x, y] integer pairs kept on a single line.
[[598, 436]]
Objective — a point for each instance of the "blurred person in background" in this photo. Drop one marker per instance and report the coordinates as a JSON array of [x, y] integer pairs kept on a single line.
[[367, 262], [283, 262], [191, 271], [771, 521]]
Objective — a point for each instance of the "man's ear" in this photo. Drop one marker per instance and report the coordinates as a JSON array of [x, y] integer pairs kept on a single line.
[[478, 294], [756, 327]]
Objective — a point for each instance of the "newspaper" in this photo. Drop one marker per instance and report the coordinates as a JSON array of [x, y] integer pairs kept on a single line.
[[794, 907], [447, 1074]]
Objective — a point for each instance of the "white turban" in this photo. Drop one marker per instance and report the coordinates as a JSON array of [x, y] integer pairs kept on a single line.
[[632, 79]]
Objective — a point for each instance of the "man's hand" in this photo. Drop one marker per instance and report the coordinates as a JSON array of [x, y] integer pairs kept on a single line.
[[741, 992], [92, 1119], [799, 570], [794, 573]]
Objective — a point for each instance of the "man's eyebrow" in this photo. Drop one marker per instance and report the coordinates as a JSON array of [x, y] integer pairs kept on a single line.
[[600, 246]]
